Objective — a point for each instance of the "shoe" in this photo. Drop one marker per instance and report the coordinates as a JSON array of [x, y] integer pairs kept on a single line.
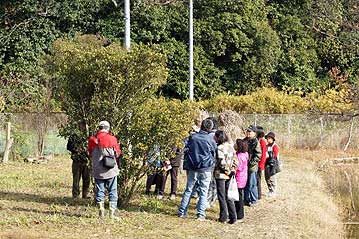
[[101, 212], [201, 218], [173, 197], [240, 220], [159, 197], [181, 216], [253, 204], [232, 221]]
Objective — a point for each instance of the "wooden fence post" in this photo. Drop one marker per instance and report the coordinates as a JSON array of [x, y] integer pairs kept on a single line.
[[8, 144]]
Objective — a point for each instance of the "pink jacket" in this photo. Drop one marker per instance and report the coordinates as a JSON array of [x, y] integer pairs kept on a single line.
[[242, 169]]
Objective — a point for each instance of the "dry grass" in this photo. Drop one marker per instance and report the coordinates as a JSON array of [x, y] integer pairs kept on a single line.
[[35, 202]]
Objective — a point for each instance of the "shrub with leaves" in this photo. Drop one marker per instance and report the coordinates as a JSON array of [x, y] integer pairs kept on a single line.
[[97, 82]]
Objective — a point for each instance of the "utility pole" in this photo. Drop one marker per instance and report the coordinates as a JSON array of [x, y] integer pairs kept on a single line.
[[127, 25], [191, 50]]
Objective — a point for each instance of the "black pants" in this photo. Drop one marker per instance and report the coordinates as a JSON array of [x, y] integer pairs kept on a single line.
[[259, 183], [80, 169], [173, 171], [157, 179], [239, 204], [227, 208]]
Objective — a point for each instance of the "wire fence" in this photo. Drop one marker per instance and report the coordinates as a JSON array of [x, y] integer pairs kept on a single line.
[[37, 133]]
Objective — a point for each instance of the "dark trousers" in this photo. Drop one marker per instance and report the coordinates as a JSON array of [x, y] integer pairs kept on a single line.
[[157, 179], [239, 204], [227, 208], [259, 183], [174, 172], [80, 169]]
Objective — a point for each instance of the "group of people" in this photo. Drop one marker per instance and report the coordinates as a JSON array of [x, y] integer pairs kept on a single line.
[[213, 165], [208, 157]]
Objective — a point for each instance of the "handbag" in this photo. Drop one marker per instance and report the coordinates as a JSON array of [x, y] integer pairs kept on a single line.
[[108, 161], [233, 193]]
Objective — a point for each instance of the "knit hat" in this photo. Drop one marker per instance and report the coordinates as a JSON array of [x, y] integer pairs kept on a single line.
[[270, 135]]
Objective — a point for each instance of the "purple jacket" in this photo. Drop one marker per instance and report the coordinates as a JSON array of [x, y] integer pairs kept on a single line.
[[241, 173]]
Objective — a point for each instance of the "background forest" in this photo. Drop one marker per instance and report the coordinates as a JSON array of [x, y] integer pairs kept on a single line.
[[300, 46]]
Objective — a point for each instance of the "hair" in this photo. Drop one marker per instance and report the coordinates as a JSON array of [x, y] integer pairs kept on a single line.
[[221, 136], [260, 132], [207, 125], [104, 128], [215, 122], [242, 145]]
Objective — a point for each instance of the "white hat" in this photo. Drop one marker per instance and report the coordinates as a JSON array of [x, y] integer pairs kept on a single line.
[[104, 124]]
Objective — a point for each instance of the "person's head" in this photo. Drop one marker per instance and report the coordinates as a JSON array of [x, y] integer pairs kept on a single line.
[[215, 122], [270, 137], [251, 132], [207, 125], [104, 125], [82, 125], [260, 132], [220, 137], [241, 146]]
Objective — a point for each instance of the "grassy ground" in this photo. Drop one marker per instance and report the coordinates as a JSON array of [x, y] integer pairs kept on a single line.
[[35, 202]]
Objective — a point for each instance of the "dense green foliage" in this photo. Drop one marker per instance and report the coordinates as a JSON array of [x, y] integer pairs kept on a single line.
[[239, 45]]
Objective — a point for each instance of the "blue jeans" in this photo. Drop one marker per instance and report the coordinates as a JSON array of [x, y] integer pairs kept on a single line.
[[251, 189], [202, 180], [110, 185]]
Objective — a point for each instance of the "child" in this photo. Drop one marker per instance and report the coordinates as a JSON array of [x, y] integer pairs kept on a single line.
[[241, 148], [272, 163]]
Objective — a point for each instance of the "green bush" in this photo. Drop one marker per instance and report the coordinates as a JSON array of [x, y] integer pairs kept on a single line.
[[110, 83]]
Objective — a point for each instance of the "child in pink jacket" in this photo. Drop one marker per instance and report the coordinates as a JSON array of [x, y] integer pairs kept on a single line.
[[241, 148]]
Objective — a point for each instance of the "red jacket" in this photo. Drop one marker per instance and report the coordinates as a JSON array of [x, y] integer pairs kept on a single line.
[[262, 161], [106, 139]]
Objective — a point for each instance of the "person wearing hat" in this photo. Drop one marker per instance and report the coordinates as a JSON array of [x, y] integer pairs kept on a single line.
[[80, 160], [272, 164], [104, 151], [255, 152]]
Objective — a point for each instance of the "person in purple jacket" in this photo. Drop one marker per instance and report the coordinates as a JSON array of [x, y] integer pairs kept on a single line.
[[241, 147]]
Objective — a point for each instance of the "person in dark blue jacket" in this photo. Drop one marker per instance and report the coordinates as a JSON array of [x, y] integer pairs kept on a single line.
[[199, 160]]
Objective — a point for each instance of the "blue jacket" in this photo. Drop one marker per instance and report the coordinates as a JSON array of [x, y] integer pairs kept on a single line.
[[200, 152]]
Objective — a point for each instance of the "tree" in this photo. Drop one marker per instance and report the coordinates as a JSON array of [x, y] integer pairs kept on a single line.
[[110, 83]]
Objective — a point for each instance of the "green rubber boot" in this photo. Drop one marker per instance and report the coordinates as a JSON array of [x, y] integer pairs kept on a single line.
[[101, 212]]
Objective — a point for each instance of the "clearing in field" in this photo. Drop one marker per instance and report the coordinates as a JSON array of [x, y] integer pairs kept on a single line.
[[35, 202]]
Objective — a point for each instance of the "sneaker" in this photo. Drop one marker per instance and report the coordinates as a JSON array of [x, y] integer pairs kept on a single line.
[[159, 197], [173, 197], [181, 216], [201, 218], [240, 220]]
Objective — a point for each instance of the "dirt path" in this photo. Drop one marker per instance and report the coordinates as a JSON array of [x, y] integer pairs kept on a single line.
[[35, 203]]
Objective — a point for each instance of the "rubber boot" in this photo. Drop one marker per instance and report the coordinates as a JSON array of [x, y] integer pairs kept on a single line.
[[101, 212], [113, 209]]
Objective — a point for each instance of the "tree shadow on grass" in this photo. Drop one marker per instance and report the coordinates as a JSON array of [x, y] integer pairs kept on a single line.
[[28, 197]]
